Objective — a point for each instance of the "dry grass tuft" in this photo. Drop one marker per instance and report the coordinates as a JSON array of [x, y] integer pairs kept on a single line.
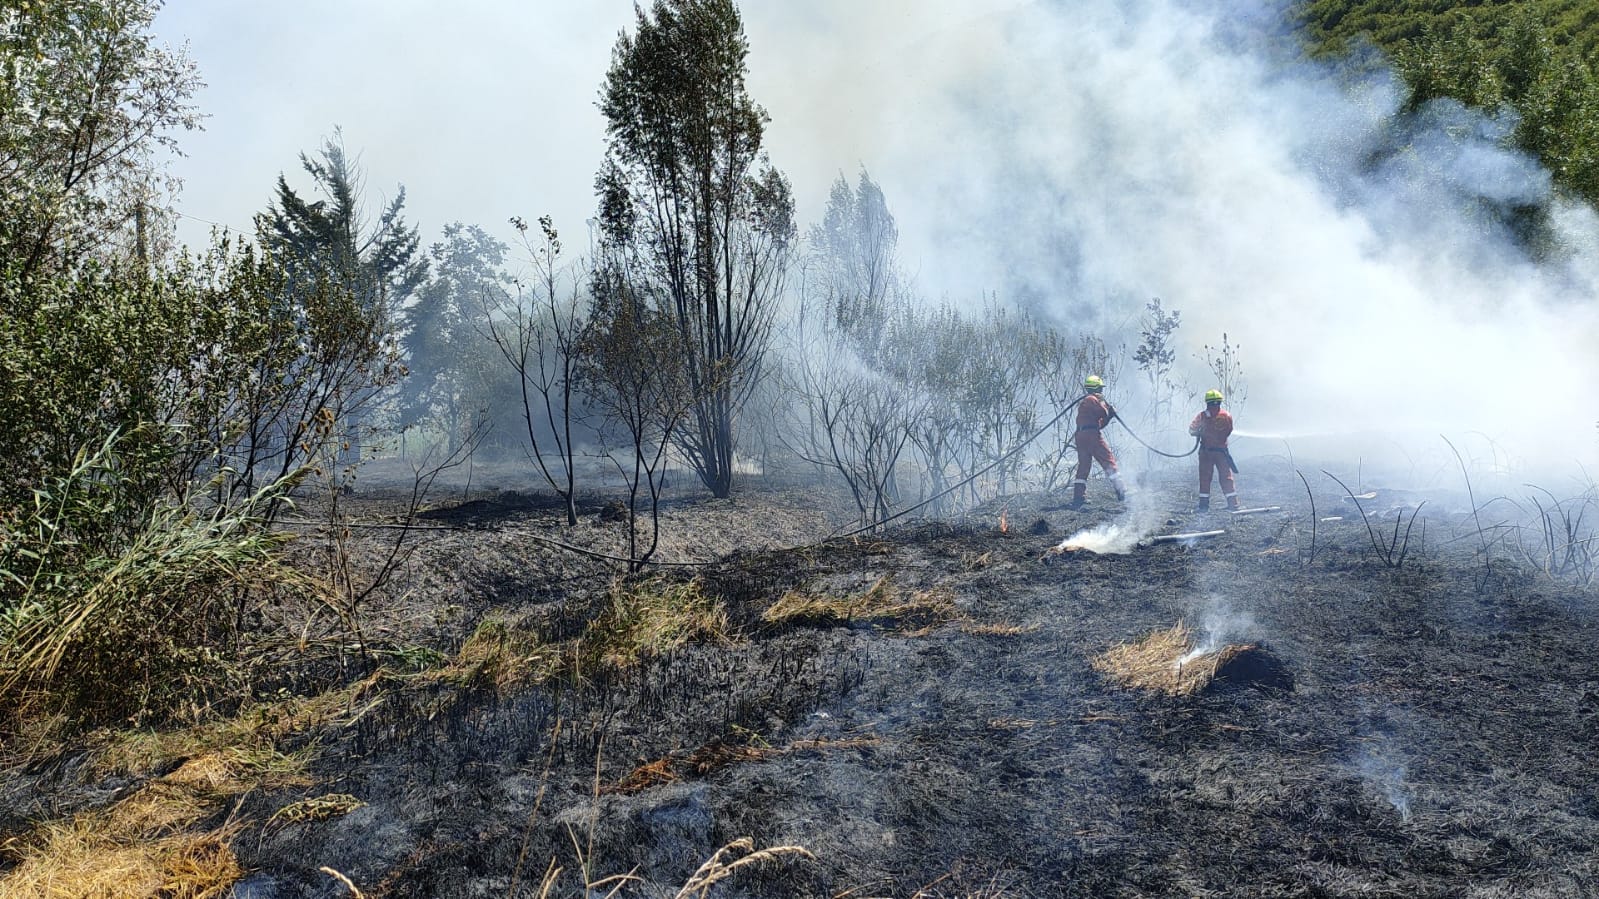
[[146, 844], [501, 654], [250, 736], [1153, 662], [356, 893], [235, 770], [131, 849], [884, 602], [718, 867], [651, 618], [201, 868]]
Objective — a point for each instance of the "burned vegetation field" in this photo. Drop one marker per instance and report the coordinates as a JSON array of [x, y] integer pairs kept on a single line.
[[1300, 706]]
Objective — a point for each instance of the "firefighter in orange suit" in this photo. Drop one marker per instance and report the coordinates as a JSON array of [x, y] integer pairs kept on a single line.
[[1093, 414], [1212, 427]]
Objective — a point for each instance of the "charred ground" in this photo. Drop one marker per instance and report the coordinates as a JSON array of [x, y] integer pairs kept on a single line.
[[1439, 738]]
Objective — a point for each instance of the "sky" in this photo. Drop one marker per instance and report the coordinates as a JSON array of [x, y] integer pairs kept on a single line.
[[1079, 157], [485, 109]]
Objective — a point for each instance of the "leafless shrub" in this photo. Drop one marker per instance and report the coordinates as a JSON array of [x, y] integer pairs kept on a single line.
[[1391, 552], [1472, 496], [350, 584], [1228, 371], [1565, 545], [539, 333]]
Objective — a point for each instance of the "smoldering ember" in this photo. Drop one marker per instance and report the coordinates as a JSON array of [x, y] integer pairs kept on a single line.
[[986, 449]]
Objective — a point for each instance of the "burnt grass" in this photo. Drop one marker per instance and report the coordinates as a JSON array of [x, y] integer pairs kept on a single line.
[[1441, 736]]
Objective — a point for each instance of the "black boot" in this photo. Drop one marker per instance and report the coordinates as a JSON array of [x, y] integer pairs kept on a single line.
[[1079, 494], [1204, 504]]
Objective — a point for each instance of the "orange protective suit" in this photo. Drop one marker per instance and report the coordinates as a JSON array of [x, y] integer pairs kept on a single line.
[[1212, 431], [1093, 414]]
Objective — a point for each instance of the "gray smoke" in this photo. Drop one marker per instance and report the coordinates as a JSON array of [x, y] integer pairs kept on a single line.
[[1384, 767], [1086, 156]]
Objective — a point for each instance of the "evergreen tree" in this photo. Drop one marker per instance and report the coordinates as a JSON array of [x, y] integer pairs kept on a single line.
[[445, 351]]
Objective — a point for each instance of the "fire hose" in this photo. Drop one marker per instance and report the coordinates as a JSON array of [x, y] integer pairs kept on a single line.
[[1008, 456], [1191, 450], [909, 509], [970, 478]]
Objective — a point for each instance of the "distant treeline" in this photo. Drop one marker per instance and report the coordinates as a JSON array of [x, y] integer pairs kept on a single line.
[[1529, 56]]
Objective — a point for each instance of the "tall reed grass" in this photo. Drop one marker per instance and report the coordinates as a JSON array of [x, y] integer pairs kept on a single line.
[[108, 608]]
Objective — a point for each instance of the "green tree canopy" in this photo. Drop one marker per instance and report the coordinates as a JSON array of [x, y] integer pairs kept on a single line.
[[331, 237], [1530, 57], [87, 100], [692, 212]]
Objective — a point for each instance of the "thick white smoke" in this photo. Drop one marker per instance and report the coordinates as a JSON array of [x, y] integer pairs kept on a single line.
[[1086, 156]]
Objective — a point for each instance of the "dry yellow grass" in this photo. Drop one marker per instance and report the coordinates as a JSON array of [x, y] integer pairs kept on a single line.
[[251, 735], [502, 654], [650, 618], [722, 864], [1153, 662], [915, 612], [149, 843], [136, 848]]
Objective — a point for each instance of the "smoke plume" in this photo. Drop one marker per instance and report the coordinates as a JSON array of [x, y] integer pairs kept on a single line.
[[1084, 157]]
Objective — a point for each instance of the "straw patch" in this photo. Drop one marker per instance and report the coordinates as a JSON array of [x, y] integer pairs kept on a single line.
[[143, 845], [502, 654], [108, 855], [1161, 663]]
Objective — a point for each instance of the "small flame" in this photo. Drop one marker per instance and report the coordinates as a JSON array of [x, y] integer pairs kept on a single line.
[[1004, 524]]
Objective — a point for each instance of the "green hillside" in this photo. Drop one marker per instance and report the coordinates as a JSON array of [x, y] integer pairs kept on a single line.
[[1532, 56], [1572, 24]]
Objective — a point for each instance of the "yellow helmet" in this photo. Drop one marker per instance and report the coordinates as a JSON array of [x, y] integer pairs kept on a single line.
[[1094, 382], [1212, 396]]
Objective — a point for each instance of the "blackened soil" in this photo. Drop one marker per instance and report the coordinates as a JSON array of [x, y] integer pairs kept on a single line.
[[1441, 737]]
